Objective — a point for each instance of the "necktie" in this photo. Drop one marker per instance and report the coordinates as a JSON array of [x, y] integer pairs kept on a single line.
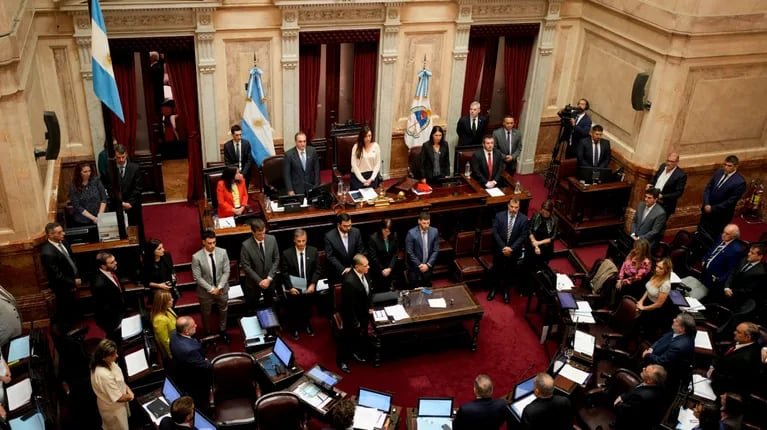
[[386, 245], [115, 280], [474, 125], [730, 350], [261, 248], [646, 212], [721, 181], [490, 164], [425, 240], [365, 284], [510, 227], [596, 154], [301, 265], [213, 269], [716, 252], [747, 267], [122, 171], [303, 159], [508, 139], [69, 259], [237, 154]]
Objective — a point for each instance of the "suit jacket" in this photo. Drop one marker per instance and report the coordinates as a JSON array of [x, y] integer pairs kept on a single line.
[[553, 413], [737, 371], [337, 256], [202, 274], [724, 198], [131, 185], [414, 247], [675, 354], [225, 198], [168, 424], [650, 227], [289, 266], [641, 408], [465, 136], [672, 189], [749, 284], [720, 268], [230, 157], [516, 145], [193, 370], [355, 302], [109, 302], [61, 275], [481, 414], [520, 232], [427, 160], [378, 255], [479, 166], [257, 266], [582, 129], [585, 153], [297, 179]]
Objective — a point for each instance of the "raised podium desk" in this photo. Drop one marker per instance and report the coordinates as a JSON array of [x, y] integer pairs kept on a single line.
[[591, 212]]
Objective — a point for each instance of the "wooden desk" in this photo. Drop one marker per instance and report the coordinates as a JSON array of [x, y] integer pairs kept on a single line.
[[411, 418], [591, 212], [279, 381], [461, 306], [322, 412]]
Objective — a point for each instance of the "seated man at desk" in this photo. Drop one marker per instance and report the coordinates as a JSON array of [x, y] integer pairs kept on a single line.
[[487, 164], [547, 411], [484, 412], [181, 415], [299, 265], [422, 247], [301, 169], [594, 151], [675, 350]]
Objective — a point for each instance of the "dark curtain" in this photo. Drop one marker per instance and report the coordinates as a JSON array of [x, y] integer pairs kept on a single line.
[[516, 59], [332, 84], [364, 83], [183, 80], [152, 111], [125, 133], [309, 88], [488, 73], [473, 71]]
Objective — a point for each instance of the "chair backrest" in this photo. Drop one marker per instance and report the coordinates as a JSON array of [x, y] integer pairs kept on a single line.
[[486, 241], [625, 314], [234, 376], [567, 168], [272, 176], [464, 243], [211, 176], [414, 162], [343, 152], [462, 156], [280, 410], [681, 238], [680, 259], [622, 381]]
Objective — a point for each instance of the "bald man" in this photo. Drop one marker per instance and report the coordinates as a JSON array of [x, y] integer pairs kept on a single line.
[[484, 412], [670, 179], [547, 411], [644, 406], [193, 370]]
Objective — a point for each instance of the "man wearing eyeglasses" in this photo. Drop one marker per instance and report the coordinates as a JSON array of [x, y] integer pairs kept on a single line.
[[237, 153], [670, 179], [721, 196]]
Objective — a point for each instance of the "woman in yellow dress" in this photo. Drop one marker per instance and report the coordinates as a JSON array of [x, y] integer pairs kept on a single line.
[[163, 320], [108, 382]]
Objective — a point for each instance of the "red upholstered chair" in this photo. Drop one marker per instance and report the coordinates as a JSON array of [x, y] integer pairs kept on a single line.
[[271, 175], [462, 156], [467, 268], [613, 325], [280, 410], [342, 167], [599, 412], [235, 391], [486, 249]]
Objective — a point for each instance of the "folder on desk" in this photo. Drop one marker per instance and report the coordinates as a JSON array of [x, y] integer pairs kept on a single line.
[[135, 362], [252, 331]]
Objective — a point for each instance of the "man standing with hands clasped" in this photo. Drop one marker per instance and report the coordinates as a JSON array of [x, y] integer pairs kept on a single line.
[[210, 268]]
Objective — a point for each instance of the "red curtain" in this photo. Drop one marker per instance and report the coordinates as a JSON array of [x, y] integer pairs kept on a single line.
[[516, 59], [473, 71], [309, 88], [125, 133], [488, 73], [364, 84], [183, 80], [332, 84]]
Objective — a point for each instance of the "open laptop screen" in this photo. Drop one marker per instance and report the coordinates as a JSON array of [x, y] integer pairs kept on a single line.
[[374, 399], [524, 388], [678, 299], [283, 352], [169, 391], [435, 407], [566, 300], [326, 379], [201, 422], [18, 349]]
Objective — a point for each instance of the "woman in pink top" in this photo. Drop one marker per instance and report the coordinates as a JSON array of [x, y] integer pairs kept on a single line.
[[636, 265]]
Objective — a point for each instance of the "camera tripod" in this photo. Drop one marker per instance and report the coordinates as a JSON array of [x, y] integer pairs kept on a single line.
[[550, 181]]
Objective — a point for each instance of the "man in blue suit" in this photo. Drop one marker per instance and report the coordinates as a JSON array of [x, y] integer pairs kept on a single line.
[[720, 260], [510, 229], [720, 197], [193, 370], [674, 350], [301, 169], [422, 248]]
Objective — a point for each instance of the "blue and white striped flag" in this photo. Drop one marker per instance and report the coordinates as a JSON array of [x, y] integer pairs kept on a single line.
[[419, 123], [255, 119], [104, 84]]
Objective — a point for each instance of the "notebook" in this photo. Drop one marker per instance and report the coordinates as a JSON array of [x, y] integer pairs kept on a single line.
[[435, 413], [524, 388], [160, 407], [281, 358]]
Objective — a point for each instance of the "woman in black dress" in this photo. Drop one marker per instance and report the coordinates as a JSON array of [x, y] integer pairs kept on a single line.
[[87, 195], [435, 156], [543, 231], [158, 269], [383, 251]]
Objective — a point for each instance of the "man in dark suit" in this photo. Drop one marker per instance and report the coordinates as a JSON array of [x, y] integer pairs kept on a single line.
[[720, 197], [508, 140], [510, 229], [471, 127], [748, 282], [547, 411], [594, 151], [670, 179], [237, 153], [63, 275], [644, 406], [422, 249], [181, 415], [107, 291], [737, 370], [650, 218], [356, 294], [487, 164], [131, 185], [720, 261], [260, 259], [341, 244], [193, 370], [300, 272], [484, 412], [301, 168], [210, 269], [674, 351], [581, 127]]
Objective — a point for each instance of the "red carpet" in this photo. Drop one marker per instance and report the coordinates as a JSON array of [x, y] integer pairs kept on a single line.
[[176, 225]]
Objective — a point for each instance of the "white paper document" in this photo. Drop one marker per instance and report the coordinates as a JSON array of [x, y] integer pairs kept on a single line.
[[397, 312], [686, 419], [495, 192], [368, 193], [520, 405], [227, 222], [583, 313], [251, 327], [584, 343], [675, 279], [131, 326], [703, 340], [322, 285], [576, 375], [695, 305], [135, 362], [368, 418], [276, 207], [19, 394], [235, 292], [437, 303], [298, 283], [701, 387], [564, 283], [380, 315]]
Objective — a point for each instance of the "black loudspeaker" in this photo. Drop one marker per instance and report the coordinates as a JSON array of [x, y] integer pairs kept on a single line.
[[52, 134], [638, 92]]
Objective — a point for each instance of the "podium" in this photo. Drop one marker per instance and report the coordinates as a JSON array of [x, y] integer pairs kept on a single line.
[[591, 213]]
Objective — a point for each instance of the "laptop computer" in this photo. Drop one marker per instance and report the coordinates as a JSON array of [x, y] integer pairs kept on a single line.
[[279, 360], [201, 422], [372, 409], [566, 300], [160, 406], [435, 413], [374, 399], [267, 318], [517, 407], [18, 349], [524, 388], [678, 299], [32, 420]]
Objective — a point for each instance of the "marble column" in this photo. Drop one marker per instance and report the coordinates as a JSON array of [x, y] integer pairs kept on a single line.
[[290, 97], [385, 110], [206, 68], [458, 71]]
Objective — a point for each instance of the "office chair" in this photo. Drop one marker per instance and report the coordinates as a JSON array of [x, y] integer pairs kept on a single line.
[[467, 268], [280, 410], [234, 391], [272, 177], [598, 412]]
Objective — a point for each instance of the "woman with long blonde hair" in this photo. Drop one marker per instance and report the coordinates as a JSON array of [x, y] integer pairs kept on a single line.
[[163, 319]]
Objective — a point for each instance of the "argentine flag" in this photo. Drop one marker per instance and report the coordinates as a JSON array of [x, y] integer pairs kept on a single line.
[[419, 122], [255, 119], [104, 84]]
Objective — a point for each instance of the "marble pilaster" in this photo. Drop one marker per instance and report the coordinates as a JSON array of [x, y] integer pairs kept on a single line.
[[458, 69], [290, 97], [386, 84], [206, 67]]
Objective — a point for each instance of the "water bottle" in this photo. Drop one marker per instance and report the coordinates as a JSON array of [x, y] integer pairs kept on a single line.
[[517, 188], [268, 203], [467, 170], [340, 189]]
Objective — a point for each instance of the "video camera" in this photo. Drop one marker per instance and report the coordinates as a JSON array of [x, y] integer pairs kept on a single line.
[[569, 112]]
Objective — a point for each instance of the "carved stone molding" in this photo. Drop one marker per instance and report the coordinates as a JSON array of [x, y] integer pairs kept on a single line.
[[206, 36], [289, 64], [460, 56], [389, 59], [207, 68], [326, 16], [515, 10]]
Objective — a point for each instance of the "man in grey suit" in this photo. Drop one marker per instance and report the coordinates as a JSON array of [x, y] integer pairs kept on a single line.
[[301, 169], [422, 249], [508, 140], [260, 259], [210, 268], [650, 218]]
